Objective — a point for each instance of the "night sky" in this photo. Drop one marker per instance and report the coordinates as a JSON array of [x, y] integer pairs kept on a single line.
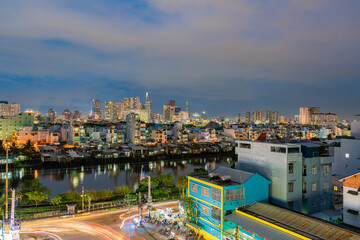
[[225, 56]]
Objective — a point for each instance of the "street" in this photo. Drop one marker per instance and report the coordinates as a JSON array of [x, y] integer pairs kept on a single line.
[[105, 225]]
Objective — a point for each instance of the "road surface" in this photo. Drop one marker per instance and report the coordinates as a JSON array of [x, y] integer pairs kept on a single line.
[[107, 225]]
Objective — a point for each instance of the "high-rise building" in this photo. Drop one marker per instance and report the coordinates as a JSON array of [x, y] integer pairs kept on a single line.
[[133, 132], [260, 116], [112, 111], [77, 115], [171, 103], [306, 114], [247, 117], [255, 116], [51, 116], [148, 107], [7, 109], [130, 105], [8, 124], [301, 174], [66, 115], [96, 109]]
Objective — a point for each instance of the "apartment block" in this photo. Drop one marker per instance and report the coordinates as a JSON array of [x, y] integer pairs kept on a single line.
[[300, 173], [219, 193]]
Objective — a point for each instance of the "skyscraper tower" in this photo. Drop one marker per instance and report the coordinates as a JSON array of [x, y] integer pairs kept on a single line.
[[96, 110], [187, 105], [148, 106]]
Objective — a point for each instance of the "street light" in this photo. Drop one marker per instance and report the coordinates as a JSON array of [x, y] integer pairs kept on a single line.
[[7, 181]]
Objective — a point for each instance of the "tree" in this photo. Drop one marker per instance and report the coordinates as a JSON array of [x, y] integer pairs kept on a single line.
[[14, 149], [191, 209], [166, 179], [198, 171], [56, 201], [33, 185], [300, 135], [36, 196], [2, 203], [28, 149], [154, 182], [167, 191], [329, 137], [182, 183], [122, 191]]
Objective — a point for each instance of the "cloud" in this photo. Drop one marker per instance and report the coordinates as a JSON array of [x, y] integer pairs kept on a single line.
[[208, 49]]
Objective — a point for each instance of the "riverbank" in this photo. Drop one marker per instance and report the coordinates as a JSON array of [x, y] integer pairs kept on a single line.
[[89, 161]]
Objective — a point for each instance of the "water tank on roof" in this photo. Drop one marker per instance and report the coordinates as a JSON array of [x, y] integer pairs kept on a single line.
[[226, 178], [214, 175]]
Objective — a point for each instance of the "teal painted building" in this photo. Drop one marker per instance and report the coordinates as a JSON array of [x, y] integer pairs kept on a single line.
[[219, 193]]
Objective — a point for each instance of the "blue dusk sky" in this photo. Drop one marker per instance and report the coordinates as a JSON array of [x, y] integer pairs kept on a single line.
[[225, 56]]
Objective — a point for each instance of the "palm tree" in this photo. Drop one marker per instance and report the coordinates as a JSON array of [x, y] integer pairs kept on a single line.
[[28, 148], [14, 149]]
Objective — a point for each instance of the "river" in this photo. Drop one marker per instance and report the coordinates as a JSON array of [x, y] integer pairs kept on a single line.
[[108, 176]]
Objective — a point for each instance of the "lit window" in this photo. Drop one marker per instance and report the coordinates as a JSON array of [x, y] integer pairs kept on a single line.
[[314, 186], [205, 210], [314, 170], [347, 155], [216, 194], [193, 187], [335, 188], [291, 186], [205, 191]]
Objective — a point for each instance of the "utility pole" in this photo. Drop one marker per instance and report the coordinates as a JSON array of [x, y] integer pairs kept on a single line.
[[128, 201], [140, 209], [82, 196], [7, 183], [14, 226], [89, 201], [149, 198]]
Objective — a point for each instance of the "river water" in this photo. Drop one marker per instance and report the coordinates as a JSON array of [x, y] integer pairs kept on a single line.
[[108, 176]]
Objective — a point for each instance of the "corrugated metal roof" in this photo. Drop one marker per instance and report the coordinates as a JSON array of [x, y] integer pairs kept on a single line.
[[302, 223], [259, 228]]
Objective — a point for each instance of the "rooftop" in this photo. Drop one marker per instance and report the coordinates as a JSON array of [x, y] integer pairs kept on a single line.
[[237, 176], [298, 223]]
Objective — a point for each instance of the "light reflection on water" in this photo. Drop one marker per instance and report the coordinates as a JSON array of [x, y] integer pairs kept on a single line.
[[108, 176]]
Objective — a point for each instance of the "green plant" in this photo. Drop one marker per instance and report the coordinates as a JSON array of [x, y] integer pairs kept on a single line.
[[56, 201], [182, 183], [36, 196]]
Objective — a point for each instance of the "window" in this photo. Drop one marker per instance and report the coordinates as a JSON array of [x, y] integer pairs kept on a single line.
[[205, 210], [234, 194], [304, 170], [335, 188], [323, 201], [314, 186], [205, 191], [304, 187], [278, 149], [314, 169], [291, 168], [291, 186], [347, 155], [194, 187], [293, 150], [216, 213], [216, 194], [326, 186], [245, 145]]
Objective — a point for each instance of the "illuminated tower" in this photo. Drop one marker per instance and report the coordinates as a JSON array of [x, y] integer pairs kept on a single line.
[[148, 106], [96, 110], [187, 105]]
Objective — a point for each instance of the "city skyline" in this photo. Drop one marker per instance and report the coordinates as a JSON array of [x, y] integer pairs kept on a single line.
[[225, 58]]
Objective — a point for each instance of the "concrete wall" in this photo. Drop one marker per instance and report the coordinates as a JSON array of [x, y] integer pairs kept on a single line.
[[351, 202], [346, 157]]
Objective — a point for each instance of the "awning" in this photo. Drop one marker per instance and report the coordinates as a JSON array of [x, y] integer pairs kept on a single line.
[[258, 227]]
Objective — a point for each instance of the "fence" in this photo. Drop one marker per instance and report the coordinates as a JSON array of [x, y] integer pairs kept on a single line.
[[29, 214]]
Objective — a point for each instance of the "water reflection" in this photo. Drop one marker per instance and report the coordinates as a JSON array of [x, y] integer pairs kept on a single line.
[[108, 176]]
